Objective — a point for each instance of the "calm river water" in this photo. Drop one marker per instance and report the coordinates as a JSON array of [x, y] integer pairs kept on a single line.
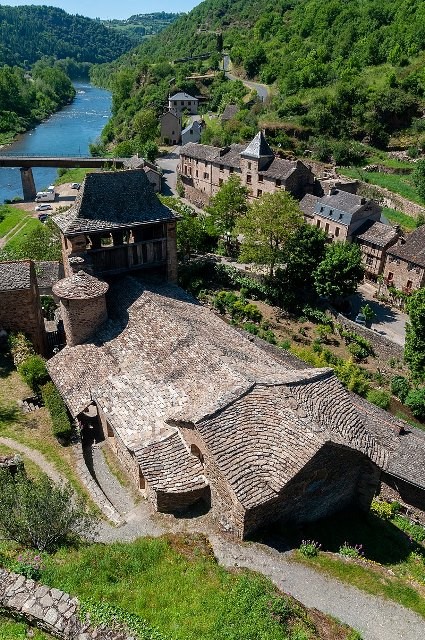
[[67, 132]]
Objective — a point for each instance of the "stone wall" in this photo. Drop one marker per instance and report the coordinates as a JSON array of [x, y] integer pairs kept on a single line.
[[411, 497], [81, 318], [403, 274], [49, 609], [388, 199], [384, 349]]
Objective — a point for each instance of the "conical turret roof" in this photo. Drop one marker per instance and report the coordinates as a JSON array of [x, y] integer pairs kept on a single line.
[[258, 148]]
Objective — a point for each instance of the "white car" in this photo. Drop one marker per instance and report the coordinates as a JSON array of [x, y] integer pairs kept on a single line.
[[44, 207], [75, 185]]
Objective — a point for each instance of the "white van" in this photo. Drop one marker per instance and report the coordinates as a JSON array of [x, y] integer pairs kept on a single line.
[[45, 196]]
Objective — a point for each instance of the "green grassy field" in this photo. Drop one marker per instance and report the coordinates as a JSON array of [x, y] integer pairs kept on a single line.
[[16, 241], [9, 218], [406, 222], [401, 184], [73, 175], [13, 630]]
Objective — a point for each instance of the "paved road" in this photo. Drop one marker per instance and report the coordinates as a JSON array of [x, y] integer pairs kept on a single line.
[[168, 164], [262, 90], [35, 456], [389, 322]]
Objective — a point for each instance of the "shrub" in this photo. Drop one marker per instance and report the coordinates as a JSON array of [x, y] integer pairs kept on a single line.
[[416, 402], [352, 377], [309, 548], [415, 531], [268, 336], [40, 514], [251, 328], [285, 344], [318, 316], [20, 348], [62, 428], [379, 397], [29, 564], [349, 551], [33, 371], [400, 387], [385, 510], [358, 351]]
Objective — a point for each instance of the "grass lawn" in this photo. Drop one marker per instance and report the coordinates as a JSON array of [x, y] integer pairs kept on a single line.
[[405, 221], [73, 175], [32, 429], [401, 184], [175, 584], [13, 630], [16, 241], [9, 218], [393, 565]]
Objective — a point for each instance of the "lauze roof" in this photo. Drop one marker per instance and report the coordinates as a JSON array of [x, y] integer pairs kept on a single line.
[[113, 200], [162, 360]]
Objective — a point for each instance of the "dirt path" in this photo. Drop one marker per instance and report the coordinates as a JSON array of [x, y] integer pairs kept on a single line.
[[35, 456]]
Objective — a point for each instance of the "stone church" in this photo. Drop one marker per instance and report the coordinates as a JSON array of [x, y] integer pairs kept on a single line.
[[193, 408]]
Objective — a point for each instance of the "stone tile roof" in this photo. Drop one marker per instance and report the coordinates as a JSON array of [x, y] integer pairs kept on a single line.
[[112, 200], [280, 168], [377, 233], [181, 95], [344, 201], [229, 112], [258, 147], [80, 286], [412, 249], [162, 359], [200, 151], [15, 275], [48, 273], [308, 205], [168, 465]]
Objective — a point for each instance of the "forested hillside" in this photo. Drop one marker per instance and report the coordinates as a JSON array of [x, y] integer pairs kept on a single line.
[[28, 33], [142, 25], [342, 69]]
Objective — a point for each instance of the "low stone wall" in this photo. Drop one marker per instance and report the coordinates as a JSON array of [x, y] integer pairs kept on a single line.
[[389, 199], [412, 498], [384, 348], [49, 609]]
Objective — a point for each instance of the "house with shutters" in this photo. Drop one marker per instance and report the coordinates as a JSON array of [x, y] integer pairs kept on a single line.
[[405, 262], [182, 102]]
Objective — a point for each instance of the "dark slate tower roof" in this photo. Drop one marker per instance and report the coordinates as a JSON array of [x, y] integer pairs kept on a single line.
[[258, 148], [113, 200]]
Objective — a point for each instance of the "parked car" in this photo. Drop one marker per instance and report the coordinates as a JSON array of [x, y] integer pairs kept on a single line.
[[43, 217], [360, 319], [75, 185], [43, 207]]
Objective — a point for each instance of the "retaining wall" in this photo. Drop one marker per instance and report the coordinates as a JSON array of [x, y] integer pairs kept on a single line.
[[384, 349], [49, 609]]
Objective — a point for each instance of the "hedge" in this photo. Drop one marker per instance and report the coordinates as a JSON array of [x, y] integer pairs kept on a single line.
[[62, 428]]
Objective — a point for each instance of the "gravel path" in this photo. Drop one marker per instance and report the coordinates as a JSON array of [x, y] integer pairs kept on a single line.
[[35, 456], [374, 617]]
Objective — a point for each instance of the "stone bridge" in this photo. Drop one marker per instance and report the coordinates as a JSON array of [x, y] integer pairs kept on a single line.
[[26, 163]]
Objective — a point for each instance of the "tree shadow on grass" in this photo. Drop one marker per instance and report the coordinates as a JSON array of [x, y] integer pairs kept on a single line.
[[381, 540], [6, 364], [8, 413]]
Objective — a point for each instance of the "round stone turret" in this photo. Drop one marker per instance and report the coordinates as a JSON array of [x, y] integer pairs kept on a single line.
[[82, 305]]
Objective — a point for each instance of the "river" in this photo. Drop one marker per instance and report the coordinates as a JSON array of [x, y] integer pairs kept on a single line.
[[67, 132]]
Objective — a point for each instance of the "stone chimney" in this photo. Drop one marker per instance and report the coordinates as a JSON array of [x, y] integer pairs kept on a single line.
[[82, 306]]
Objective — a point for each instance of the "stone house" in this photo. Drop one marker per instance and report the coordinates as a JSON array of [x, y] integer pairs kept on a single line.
[[182, 102], [170, 127], [152, 171], [340, 214], [204, 168], [192, 133], [374, 240], [230, 111], [405, 262], [20, 308], [117, 224]]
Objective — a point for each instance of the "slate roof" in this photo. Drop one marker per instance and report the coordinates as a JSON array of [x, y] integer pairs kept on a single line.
[[112, 200], [15, 275], [181, 95], [344, 201], [229, 112], [48, 273], [413, 249], [308, 205], [377, 233], [258, 147], [80, 286], [163, 359]]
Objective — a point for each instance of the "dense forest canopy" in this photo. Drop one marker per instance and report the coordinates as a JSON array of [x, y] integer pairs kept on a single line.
[[142, 25], [30, 32], [341, 70]]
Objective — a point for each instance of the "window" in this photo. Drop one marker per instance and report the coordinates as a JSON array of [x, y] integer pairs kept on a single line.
[[327, 227], [230, 169], [336, 232], [369, 260], [222, 167], [318, 223], [220, 181], [259, 193], [249, 165], [196, 173], [172, 132], [278, 182], [206, 175], [409, 284], [260, 178], [195, 451], [248, 179], [390, 276]]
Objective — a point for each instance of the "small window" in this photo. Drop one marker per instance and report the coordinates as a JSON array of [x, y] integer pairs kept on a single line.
[[336, 232], [248, 179], [222, 167], [191, 132], [409, 285], [249, 165], [278, 182], [327, 227], [230, 169], [390, 276], [260, 178], [206, 175], [196, 172], [259, 193], [220, 182], [369, 260], [318, 224]]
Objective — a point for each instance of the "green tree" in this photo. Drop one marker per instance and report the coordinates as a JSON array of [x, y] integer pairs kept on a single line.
[[34, 373], [145, 125], [416, 402], [414, 348], [229, 204], [267, 226], [339, 273], [368, 313], [303, 252], [41, 514], [418, 177], [192, 233]]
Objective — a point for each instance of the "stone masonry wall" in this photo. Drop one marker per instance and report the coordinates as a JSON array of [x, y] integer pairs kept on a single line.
[[411, 497], [20, 310], [389, 199], [384, 348], [81, 318], [49, 609]]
